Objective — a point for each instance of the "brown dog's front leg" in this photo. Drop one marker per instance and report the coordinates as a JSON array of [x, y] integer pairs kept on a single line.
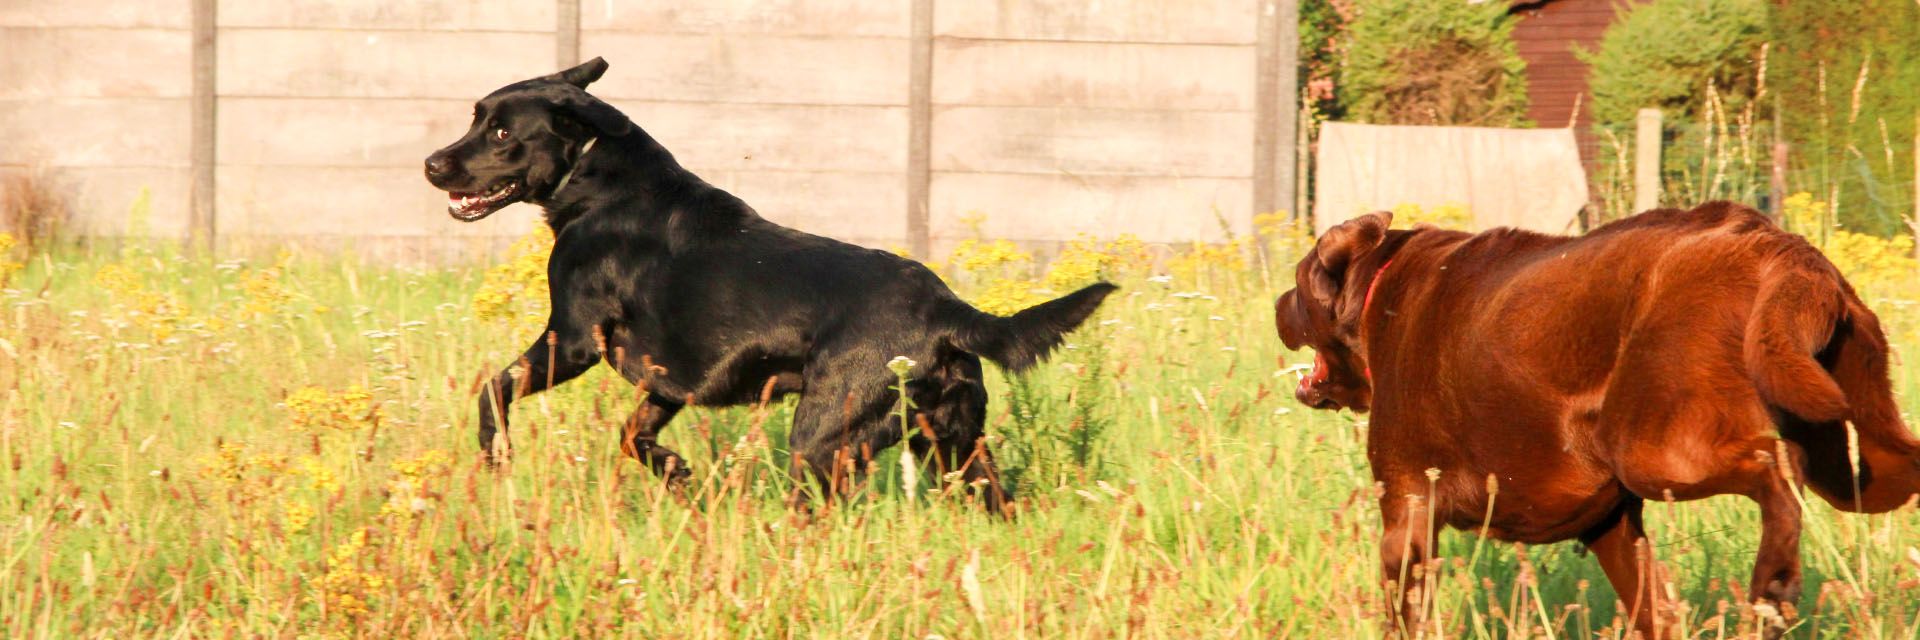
[[1405, 547], [1620, 544], [1776, 569]]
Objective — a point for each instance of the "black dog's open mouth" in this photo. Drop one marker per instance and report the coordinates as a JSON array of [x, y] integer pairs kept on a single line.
[[468, 207]]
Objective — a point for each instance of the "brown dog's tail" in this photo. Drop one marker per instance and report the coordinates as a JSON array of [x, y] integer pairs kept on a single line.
[[1018, 341], [1859, 454]]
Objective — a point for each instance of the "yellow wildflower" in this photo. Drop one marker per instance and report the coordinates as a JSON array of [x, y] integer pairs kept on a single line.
[[298, 516], [7, 266], [1446, 216], [522, 278], [407, 493], [1004, 297], [316, 409], [322, 478], [347, 587], [265, 295], [980, 257]]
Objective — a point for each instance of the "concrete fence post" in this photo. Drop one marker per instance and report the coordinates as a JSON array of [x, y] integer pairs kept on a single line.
[[1276, 112], [1646, 160], [203, 130], [566, 33], [920, 131]]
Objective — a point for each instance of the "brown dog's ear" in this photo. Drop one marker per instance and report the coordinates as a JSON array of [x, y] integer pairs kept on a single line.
[[1290, 320], [583, 74], [1341, 246]]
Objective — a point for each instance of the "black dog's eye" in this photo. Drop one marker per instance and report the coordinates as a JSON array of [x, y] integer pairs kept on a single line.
[[501, 135]]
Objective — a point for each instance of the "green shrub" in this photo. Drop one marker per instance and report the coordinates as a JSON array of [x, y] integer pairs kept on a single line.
[[1667, 52], [1323, 43], [1851, 133], [1442, 63]]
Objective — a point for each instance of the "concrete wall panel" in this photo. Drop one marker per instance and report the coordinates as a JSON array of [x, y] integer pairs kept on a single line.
[[423, 15], [784, 17], [751, 68], [91, 132], [337, 131], [863, 208], [95, 63], [1043, 208], [723, 137], [346, 201], [1084, 141], [101, 199], [166, 14], [1093, 74], [377, 64], [1109, 21]]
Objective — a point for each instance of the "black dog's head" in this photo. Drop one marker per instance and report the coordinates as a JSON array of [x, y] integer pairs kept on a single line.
[[524, 140], [1323, 311]]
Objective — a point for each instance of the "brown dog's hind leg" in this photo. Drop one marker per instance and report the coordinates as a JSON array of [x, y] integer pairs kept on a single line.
[[1620, 545]]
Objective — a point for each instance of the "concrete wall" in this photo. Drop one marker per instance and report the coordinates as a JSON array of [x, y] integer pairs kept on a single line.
[[1058, 118], [1050, 118], [798, 107], [96, 91]]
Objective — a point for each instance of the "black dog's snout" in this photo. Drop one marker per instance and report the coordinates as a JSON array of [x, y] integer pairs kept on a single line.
[[439, 165]]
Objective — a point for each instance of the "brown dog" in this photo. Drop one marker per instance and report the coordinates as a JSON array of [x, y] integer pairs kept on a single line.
[[1673, 355]]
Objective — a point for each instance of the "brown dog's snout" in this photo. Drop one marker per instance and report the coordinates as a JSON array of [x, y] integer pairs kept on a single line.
[[1308, 393], [438, 165]]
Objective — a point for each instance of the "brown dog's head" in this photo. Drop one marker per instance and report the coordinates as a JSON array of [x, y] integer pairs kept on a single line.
[[1323, 312]]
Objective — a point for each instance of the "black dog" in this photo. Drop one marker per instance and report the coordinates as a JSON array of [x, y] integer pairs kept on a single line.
[[689, 292]]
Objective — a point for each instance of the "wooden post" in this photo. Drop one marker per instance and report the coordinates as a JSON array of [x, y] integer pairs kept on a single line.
[[1777, 182], [1646, 161], [920, 132], [201, 225], [566, 33], [1277, 105]]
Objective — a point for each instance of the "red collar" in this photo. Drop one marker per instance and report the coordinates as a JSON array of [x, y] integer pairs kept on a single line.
[[1368, 302], [1374, 286]]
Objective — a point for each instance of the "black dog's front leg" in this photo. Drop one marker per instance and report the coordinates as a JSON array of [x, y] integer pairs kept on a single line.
[[554, 358]]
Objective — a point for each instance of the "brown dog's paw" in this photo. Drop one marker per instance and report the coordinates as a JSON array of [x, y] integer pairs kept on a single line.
[[1771, 620]]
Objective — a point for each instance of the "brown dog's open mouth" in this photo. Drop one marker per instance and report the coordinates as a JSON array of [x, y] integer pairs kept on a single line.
[[468, 207]]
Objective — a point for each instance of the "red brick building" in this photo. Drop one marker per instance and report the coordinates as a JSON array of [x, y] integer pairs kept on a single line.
[[1546, 36]]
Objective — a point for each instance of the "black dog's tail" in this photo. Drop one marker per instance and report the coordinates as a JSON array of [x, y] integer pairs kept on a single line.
[[1018, 341]]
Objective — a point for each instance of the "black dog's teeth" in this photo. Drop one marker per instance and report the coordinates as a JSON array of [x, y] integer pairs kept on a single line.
[[467, 201]]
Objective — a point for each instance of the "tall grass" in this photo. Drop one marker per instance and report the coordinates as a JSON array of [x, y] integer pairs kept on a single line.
[[283, 448]]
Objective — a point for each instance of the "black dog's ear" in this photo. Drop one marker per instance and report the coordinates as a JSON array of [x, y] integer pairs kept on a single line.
[[576, 104], [583, 74], [1340, 247], [597, 114]]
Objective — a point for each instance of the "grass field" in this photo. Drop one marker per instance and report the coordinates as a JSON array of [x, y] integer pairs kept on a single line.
[[192, 447]]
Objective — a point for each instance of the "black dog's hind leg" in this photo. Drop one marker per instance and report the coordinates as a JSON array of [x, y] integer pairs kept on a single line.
[[554, 358], [638, 439], [840, 424], [953, 405]]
